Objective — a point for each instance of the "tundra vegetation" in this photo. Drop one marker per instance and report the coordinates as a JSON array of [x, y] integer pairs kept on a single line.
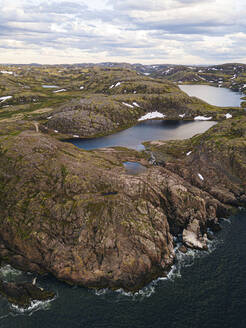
[[77, 214]]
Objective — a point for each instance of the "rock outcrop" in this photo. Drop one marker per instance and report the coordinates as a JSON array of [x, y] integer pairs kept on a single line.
[[79, 216], [23, 294]]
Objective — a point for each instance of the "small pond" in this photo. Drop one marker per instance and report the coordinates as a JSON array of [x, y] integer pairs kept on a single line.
[[134, 168]]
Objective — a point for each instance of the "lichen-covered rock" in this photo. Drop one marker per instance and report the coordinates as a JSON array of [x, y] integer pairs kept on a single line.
[[79, 216]]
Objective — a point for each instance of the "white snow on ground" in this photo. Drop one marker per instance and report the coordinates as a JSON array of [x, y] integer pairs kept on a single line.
[[244, 86], [117, 84], [135, 104], [188, 154], [49, 117], [146, 74], [111, 86], [81, 88], [151, 115], [5, 98], [61, 90], [6, 72], [200, 176], [135, 92], [49, 86], [75, 136], [55, 131], [228, 115], [128, 105], [202, 118], [182, 115]]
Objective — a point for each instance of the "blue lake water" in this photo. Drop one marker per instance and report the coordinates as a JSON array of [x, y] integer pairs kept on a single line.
[[222, 97], [146, 131]]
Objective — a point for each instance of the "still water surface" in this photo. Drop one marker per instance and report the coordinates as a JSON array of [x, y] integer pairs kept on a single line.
[[146, 131], [222, 97]]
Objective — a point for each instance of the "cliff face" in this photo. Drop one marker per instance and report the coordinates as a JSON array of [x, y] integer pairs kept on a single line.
[[78, 215], [214, 161]]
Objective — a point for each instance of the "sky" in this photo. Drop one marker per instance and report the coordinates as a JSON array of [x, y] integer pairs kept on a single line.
[[147, 31]]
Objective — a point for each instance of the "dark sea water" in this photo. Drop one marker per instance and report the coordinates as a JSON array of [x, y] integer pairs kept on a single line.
[[204, 290], [146, 131], [215, 96]]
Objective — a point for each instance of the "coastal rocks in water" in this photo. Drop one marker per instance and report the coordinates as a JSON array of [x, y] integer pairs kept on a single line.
[[22, 294], [183, 249], [192, 236]]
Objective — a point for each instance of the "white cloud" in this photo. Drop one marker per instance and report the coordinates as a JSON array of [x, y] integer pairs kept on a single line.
[[174, 31]]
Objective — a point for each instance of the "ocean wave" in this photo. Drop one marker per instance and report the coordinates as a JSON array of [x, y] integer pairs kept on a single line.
[[7, 272], [182, 260], [35, 306]]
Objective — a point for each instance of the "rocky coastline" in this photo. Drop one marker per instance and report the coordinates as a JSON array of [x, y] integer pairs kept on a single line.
[[77, 215]]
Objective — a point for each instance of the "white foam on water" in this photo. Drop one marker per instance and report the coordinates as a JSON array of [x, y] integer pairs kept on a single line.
[[35, 306], [226, 220], [100, 292], [182, 260], [7, 271]]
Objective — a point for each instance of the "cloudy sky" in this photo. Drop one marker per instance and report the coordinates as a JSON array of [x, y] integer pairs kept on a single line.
[[146, 31]]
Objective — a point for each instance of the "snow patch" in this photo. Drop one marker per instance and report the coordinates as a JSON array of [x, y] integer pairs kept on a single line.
[[75, 136], [6, 72], [202, 118], [117, 84], [81, 88], [49, 86], [151, 115], [200, 176], [188, 154], [61, 90], [228, 115], [2, 99], [182, 115], [128, 105], [135, 104]]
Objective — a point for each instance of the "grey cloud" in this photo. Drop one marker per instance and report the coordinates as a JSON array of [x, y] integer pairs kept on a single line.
[[54, 26]]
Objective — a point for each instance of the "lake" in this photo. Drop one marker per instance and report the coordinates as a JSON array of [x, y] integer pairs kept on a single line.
[[146, 131], [222, 97]]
